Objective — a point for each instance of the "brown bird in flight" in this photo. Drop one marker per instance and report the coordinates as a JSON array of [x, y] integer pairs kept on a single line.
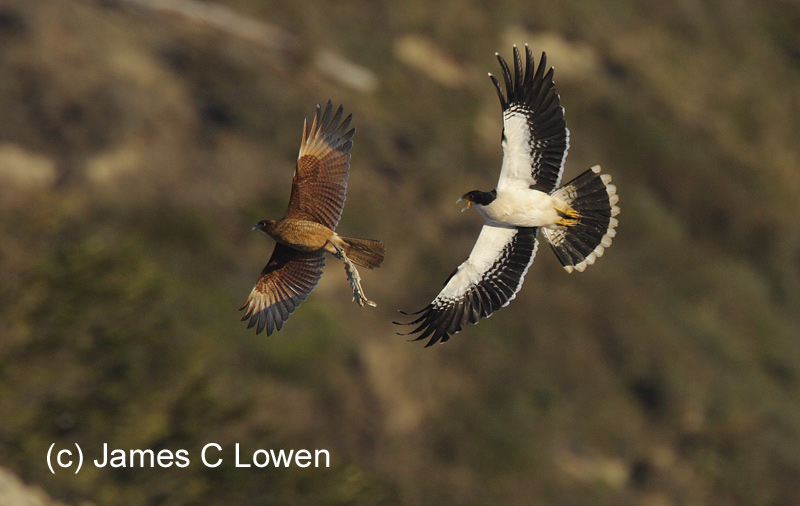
[[306, 232]]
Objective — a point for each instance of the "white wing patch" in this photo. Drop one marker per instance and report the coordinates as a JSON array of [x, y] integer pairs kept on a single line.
[[523, 156], [485, 282], [516, 168], [487, 251]]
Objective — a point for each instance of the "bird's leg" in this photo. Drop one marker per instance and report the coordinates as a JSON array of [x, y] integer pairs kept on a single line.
[[355, 282], [354, 278]]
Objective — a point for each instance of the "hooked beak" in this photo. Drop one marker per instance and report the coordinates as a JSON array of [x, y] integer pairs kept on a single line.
[[255, 227], [469, 204]]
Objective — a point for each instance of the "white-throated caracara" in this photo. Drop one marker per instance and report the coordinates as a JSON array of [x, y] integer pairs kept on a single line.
[[577, 219]]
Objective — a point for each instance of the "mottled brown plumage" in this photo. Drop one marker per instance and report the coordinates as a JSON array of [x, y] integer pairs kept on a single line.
[[306, 232]]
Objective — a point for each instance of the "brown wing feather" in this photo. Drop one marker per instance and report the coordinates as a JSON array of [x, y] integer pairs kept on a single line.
[[320, 177], [285, 282]]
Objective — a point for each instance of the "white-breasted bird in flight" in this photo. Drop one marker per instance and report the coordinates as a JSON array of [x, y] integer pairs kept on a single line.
[[578, 219]]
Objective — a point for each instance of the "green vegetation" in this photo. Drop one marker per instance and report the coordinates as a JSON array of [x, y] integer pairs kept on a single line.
[[138, 145]]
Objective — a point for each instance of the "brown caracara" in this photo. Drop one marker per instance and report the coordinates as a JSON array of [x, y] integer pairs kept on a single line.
[[578, 219], [306, 232]]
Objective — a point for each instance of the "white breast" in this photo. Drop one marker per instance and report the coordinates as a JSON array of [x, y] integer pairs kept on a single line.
[[522, 207]]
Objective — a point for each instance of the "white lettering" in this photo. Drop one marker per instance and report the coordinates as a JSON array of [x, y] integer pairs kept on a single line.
[[306, 455], [105, 457], [282, 458], [203, 455], [142, 454], [183, 458], [58, 458], [266, 458], [327, 458], [164, 458], [238, 463], [117, 458]]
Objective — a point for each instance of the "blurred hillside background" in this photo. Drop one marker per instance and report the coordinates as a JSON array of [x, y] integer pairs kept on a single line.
[[141, 139]]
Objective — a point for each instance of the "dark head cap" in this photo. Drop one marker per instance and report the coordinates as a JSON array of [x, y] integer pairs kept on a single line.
[[478, 197]]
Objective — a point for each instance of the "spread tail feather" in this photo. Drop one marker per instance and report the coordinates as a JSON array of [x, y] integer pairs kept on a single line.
[[363, 252], [589, 224]]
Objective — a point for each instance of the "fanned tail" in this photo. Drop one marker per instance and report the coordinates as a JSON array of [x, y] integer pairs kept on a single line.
[[364, 252], [588, 225]]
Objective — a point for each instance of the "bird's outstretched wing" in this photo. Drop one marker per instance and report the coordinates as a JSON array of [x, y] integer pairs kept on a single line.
[[320, 176], [486, 281], [535, 135], [285, 282]]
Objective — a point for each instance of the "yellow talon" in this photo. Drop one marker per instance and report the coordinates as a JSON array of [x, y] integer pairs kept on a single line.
[[569, 217]]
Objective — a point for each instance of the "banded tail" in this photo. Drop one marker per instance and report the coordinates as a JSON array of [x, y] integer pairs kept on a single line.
[[589, 224], [363, 252]]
